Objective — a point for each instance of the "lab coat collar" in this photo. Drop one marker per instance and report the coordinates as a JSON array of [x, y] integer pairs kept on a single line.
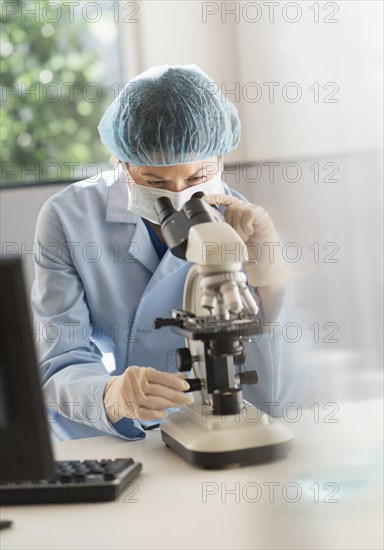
[[144, 251], [117, 200], [168, 266]]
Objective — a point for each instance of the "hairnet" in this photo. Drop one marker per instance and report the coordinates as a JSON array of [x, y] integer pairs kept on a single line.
[[170, 115]]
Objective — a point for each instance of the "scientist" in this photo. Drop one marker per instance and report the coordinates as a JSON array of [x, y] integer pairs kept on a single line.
[[103, 272]]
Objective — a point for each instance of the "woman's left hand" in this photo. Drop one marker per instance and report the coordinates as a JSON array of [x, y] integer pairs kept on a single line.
[[254, 225]]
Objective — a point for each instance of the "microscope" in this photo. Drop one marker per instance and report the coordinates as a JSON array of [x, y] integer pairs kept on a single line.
[[219, 429]]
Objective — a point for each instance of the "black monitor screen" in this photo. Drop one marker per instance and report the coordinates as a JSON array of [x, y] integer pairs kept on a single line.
[[26, 452]]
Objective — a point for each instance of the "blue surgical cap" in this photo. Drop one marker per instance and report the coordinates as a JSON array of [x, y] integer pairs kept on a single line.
[[170, 115]]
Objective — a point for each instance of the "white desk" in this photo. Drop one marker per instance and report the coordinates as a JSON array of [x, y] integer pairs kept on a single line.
[[166, 509]]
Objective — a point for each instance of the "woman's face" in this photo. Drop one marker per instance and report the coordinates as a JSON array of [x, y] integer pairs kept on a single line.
[[176, 177]]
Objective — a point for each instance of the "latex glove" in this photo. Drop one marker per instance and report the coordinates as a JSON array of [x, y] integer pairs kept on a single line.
[[144, 393], [254, 225]]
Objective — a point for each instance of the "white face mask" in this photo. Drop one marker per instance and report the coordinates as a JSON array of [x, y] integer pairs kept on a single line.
[[141, 198]]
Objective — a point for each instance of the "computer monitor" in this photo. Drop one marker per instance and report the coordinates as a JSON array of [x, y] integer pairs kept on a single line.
[[26, 451]]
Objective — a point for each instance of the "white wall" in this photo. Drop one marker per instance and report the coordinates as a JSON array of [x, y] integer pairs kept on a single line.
[[242, 53], [347, 55]]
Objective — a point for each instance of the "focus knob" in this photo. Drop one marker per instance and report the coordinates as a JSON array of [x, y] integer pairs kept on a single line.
[[240, 358], [183, 359], [194, 384], [227, 401], [248, 377]]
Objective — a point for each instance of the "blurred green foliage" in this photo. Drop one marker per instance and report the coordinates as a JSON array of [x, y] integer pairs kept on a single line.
[[52, 97]]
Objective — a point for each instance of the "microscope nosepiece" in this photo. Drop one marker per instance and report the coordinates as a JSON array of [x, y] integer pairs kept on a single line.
[[231, 296]]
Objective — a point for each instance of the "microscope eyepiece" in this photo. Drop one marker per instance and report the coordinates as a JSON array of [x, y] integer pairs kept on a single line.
[[163, 208], [198, 195]]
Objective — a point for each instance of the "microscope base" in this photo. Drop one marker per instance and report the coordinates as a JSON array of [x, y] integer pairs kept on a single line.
[[211, 441]]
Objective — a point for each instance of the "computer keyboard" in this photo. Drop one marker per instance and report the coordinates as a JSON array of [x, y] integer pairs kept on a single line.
[[75, 481]]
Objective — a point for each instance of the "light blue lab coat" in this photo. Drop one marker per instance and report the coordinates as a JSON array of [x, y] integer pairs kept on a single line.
[[98, 287]]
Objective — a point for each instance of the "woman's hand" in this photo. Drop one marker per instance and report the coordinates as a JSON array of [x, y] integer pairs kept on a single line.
[[256, 228], [144, 393]]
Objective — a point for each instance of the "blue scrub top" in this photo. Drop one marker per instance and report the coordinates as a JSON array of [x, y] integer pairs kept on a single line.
[[99, 284], [160, 246]]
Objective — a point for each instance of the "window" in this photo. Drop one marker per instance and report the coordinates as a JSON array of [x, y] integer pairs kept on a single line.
[[60, 70]]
